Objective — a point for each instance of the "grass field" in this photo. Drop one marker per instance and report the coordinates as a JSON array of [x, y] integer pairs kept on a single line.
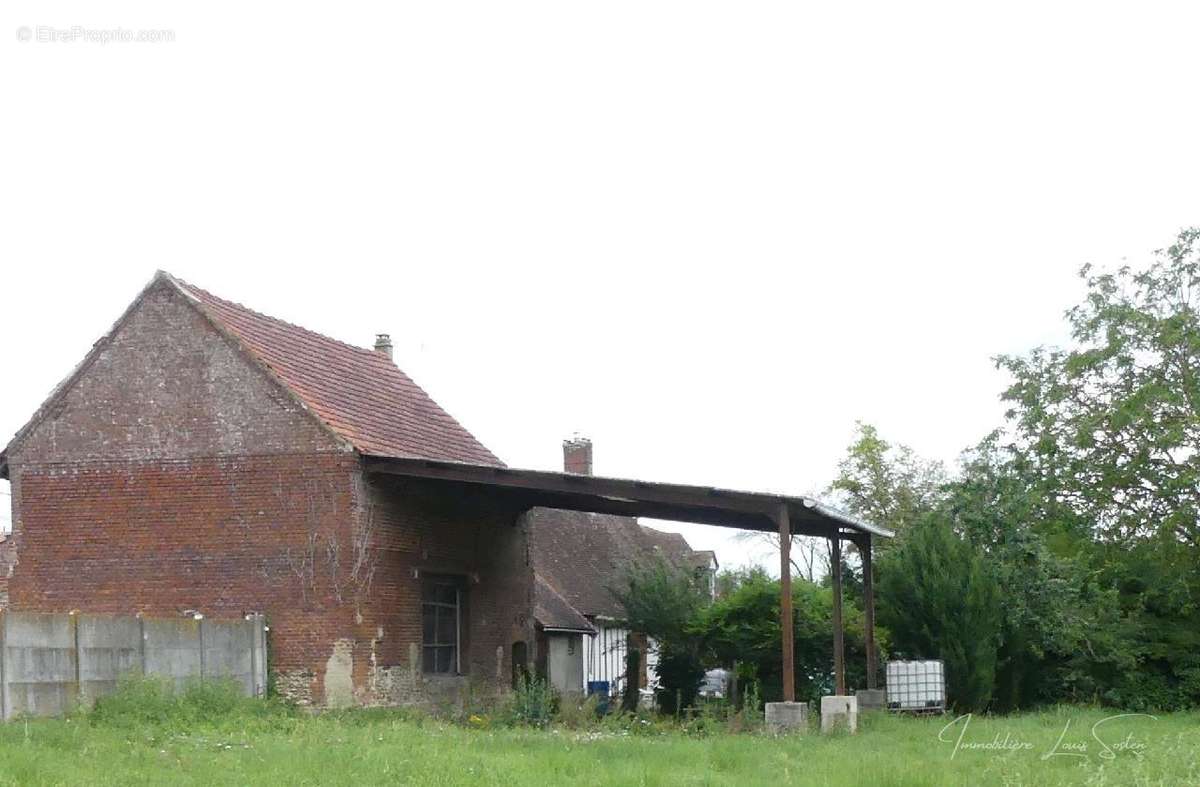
[[206, 743]]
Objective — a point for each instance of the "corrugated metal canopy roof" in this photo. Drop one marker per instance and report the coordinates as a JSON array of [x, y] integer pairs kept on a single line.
[[629, 497]]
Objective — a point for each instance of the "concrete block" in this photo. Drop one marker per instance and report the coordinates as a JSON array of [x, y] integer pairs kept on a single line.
[[871, 699], [839, 712], [784, 717]]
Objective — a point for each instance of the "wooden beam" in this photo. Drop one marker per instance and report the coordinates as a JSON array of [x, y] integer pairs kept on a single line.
[[786, 625], [616, 488], [839, 647], [864, 547]]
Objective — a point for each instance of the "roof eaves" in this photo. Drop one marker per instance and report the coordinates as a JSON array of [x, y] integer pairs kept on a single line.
[[846, 519], [591, 632], [808, 503]]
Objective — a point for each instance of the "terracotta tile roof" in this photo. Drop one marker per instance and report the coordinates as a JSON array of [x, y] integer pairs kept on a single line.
[[582, 555], [359, 393], [552, 611]]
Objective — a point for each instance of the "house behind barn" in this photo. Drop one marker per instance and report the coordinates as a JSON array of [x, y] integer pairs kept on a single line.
[[578, 557]]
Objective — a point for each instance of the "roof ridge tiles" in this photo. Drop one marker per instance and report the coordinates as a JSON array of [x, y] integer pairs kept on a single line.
[[193, 289], [360, 393]]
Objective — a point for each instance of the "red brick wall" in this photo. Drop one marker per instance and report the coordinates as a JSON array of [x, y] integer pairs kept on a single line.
[[425, 528], [175, 475], [222, 536], [167, 385]]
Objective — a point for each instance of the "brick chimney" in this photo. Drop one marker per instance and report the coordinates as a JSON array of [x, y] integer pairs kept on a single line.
[[577, 456], [383, 344]]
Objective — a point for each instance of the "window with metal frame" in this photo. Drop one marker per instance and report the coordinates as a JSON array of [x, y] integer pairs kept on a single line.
[[443, 602]]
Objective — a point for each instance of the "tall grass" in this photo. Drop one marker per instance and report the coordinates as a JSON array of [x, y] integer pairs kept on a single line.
[[207, 735], [151, 701]]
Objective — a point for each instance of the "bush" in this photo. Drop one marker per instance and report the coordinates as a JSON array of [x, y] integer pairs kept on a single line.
[[532, 703], [666, 602], [743, 628], [576, 712], [680, 673]]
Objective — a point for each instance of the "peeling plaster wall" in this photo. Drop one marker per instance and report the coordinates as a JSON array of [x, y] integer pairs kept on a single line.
[[339, 678]]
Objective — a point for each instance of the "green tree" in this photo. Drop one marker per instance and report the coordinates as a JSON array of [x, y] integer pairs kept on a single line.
[[940, 600], [1113, 424], [666, 602], [1106, 434], [889, 485], [1056, 617], [743, 626]]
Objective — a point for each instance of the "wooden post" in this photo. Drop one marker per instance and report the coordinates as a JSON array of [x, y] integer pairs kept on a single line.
[[787, 627], [839, 651], [869, 611]]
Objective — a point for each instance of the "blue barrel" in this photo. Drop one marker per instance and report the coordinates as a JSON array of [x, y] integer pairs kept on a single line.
[[599, 688]]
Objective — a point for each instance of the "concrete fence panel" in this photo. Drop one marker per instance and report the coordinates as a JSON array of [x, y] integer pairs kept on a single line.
[[51, 662], [172, 649], [229, 653], [108, 648], [40, 668]]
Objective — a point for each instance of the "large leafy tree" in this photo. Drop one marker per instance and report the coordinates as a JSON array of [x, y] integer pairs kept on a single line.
[[1107, 433], [1057, 619], [1113, 424], [890, 485]]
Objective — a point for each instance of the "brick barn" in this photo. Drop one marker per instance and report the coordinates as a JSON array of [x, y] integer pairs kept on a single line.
[[207, 459]]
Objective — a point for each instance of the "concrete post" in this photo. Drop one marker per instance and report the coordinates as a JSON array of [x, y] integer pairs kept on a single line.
[[3, 670], [260, 651], [785, 717], [142, 643], [79, 698], [252, 622], [839, 712], [201, 635]]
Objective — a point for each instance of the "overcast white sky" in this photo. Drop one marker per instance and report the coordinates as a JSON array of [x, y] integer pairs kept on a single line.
[[707, 235]]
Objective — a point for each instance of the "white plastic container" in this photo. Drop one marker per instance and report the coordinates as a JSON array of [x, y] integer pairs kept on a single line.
[[916, 686]]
